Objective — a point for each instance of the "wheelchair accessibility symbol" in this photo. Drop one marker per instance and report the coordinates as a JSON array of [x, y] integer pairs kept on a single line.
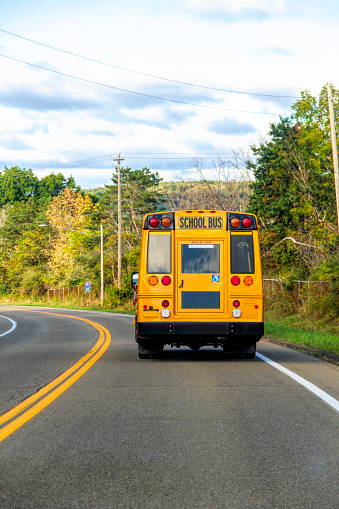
[[215, 278]]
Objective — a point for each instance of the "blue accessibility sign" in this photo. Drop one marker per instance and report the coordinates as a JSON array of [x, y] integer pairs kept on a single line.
[[215, 278], [88, 286]]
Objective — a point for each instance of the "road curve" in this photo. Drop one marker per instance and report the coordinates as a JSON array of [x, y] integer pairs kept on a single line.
[[189, 430]]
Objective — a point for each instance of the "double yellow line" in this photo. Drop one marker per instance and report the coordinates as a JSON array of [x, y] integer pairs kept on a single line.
[[29, 407]]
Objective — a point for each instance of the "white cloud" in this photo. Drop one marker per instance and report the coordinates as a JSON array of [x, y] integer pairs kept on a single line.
[[239, 5], [49, 119]]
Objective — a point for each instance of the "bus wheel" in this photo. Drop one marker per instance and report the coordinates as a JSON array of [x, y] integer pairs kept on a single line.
[[147, 350]]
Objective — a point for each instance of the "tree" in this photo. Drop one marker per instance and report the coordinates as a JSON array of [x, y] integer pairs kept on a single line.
[[293, 193], [22, 246], [139, 195], [17, 185], [53, 185], [20, 185], [65, 213], [224, 186]]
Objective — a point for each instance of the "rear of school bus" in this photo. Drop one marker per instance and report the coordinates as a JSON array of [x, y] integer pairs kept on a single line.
[[200, 282]]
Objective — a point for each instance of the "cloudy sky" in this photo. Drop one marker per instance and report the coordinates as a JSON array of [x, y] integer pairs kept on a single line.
[[161, 82]]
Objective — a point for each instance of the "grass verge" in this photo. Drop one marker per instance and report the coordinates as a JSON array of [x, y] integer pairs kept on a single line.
[[299, 329], [68, 304], [315, 336]]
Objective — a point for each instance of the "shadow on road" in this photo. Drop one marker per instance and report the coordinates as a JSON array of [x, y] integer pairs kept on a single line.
[[185, 355]]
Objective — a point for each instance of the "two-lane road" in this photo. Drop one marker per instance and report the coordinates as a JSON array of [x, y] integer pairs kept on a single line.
[[189, 430]]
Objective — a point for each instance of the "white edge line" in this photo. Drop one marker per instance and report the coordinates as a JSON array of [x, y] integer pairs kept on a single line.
[[308, 385], [14, 324], [311, 387]]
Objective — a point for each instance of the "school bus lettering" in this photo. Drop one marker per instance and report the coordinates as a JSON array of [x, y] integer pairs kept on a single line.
[[209, 222], [199, 283]]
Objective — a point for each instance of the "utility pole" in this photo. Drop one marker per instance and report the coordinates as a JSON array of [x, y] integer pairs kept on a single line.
[[119, 221], [102, 264], [334, 148]]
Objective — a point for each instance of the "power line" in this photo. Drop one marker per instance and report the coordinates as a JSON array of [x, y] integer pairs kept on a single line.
[[138, 93], [85, 162], [146, 74], [135, 155]]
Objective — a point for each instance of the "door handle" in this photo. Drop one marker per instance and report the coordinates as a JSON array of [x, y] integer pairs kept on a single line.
[[182, 284]]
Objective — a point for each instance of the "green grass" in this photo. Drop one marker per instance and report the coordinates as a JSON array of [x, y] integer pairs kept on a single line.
[[297, 328], [67, 304], [301, 330]]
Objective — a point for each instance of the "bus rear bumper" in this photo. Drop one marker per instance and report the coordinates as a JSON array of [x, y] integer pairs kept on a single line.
[[171, 331]]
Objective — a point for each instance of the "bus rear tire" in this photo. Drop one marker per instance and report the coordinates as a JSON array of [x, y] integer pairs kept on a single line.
[[147, 350]]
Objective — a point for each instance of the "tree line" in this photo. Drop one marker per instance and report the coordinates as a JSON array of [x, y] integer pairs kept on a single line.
[[49, 227]]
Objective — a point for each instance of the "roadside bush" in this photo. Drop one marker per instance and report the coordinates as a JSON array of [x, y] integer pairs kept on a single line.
[[117, 297], [33, 281]]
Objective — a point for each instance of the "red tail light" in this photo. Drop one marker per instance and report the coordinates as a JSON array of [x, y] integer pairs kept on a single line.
[[165, 303], [166, 280], [235, 280], [154, 222], [247, 222]]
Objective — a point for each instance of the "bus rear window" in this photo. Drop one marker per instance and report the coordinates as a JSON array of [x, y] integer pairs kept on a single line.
[[200, 258], [242, 254], [159, 253]]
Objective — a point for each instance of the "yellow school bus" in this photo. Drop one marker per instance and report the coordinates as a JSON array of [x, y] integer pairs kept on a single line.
[[199, 282]]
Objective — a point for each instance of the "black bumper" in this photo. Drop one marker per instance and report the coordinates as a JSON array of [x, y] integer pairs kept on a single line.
[[254, 330]]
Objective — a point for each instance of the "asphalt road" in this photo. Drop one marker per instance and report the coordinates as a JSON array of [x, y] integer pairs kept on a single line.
[[189, 430]]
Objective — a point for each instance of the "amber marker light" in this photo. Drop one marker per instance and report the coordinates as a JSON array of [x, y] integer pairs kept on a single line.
[[235, 222], [248, 280], [166, 222], [153, 280]]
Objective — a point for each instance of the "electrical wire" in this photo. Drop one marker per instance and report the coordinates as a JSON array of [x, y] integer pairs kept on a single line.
[[150, 156], [146, 74], [139, 93]]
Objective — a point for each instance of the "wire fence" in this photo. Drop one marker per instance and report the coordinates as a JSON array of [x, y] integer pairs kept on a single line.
[[77, 292]]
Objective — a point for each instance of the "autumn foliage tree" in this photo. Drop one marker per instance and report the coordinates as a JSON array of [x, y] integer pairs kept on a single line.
[[67, 215]]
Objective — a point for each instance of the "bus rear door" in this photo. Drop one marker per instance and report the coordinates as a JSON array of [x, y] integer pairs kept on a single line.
[[200, 279]]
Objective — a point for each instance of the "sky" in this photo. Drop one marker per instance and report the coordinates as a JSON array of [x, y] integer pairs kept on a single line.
[[163, 83]]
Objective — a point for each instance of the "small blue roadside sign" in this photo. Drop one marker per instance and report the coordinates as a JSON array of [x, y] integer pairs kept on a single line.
[[215, 278], [87, 286]]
